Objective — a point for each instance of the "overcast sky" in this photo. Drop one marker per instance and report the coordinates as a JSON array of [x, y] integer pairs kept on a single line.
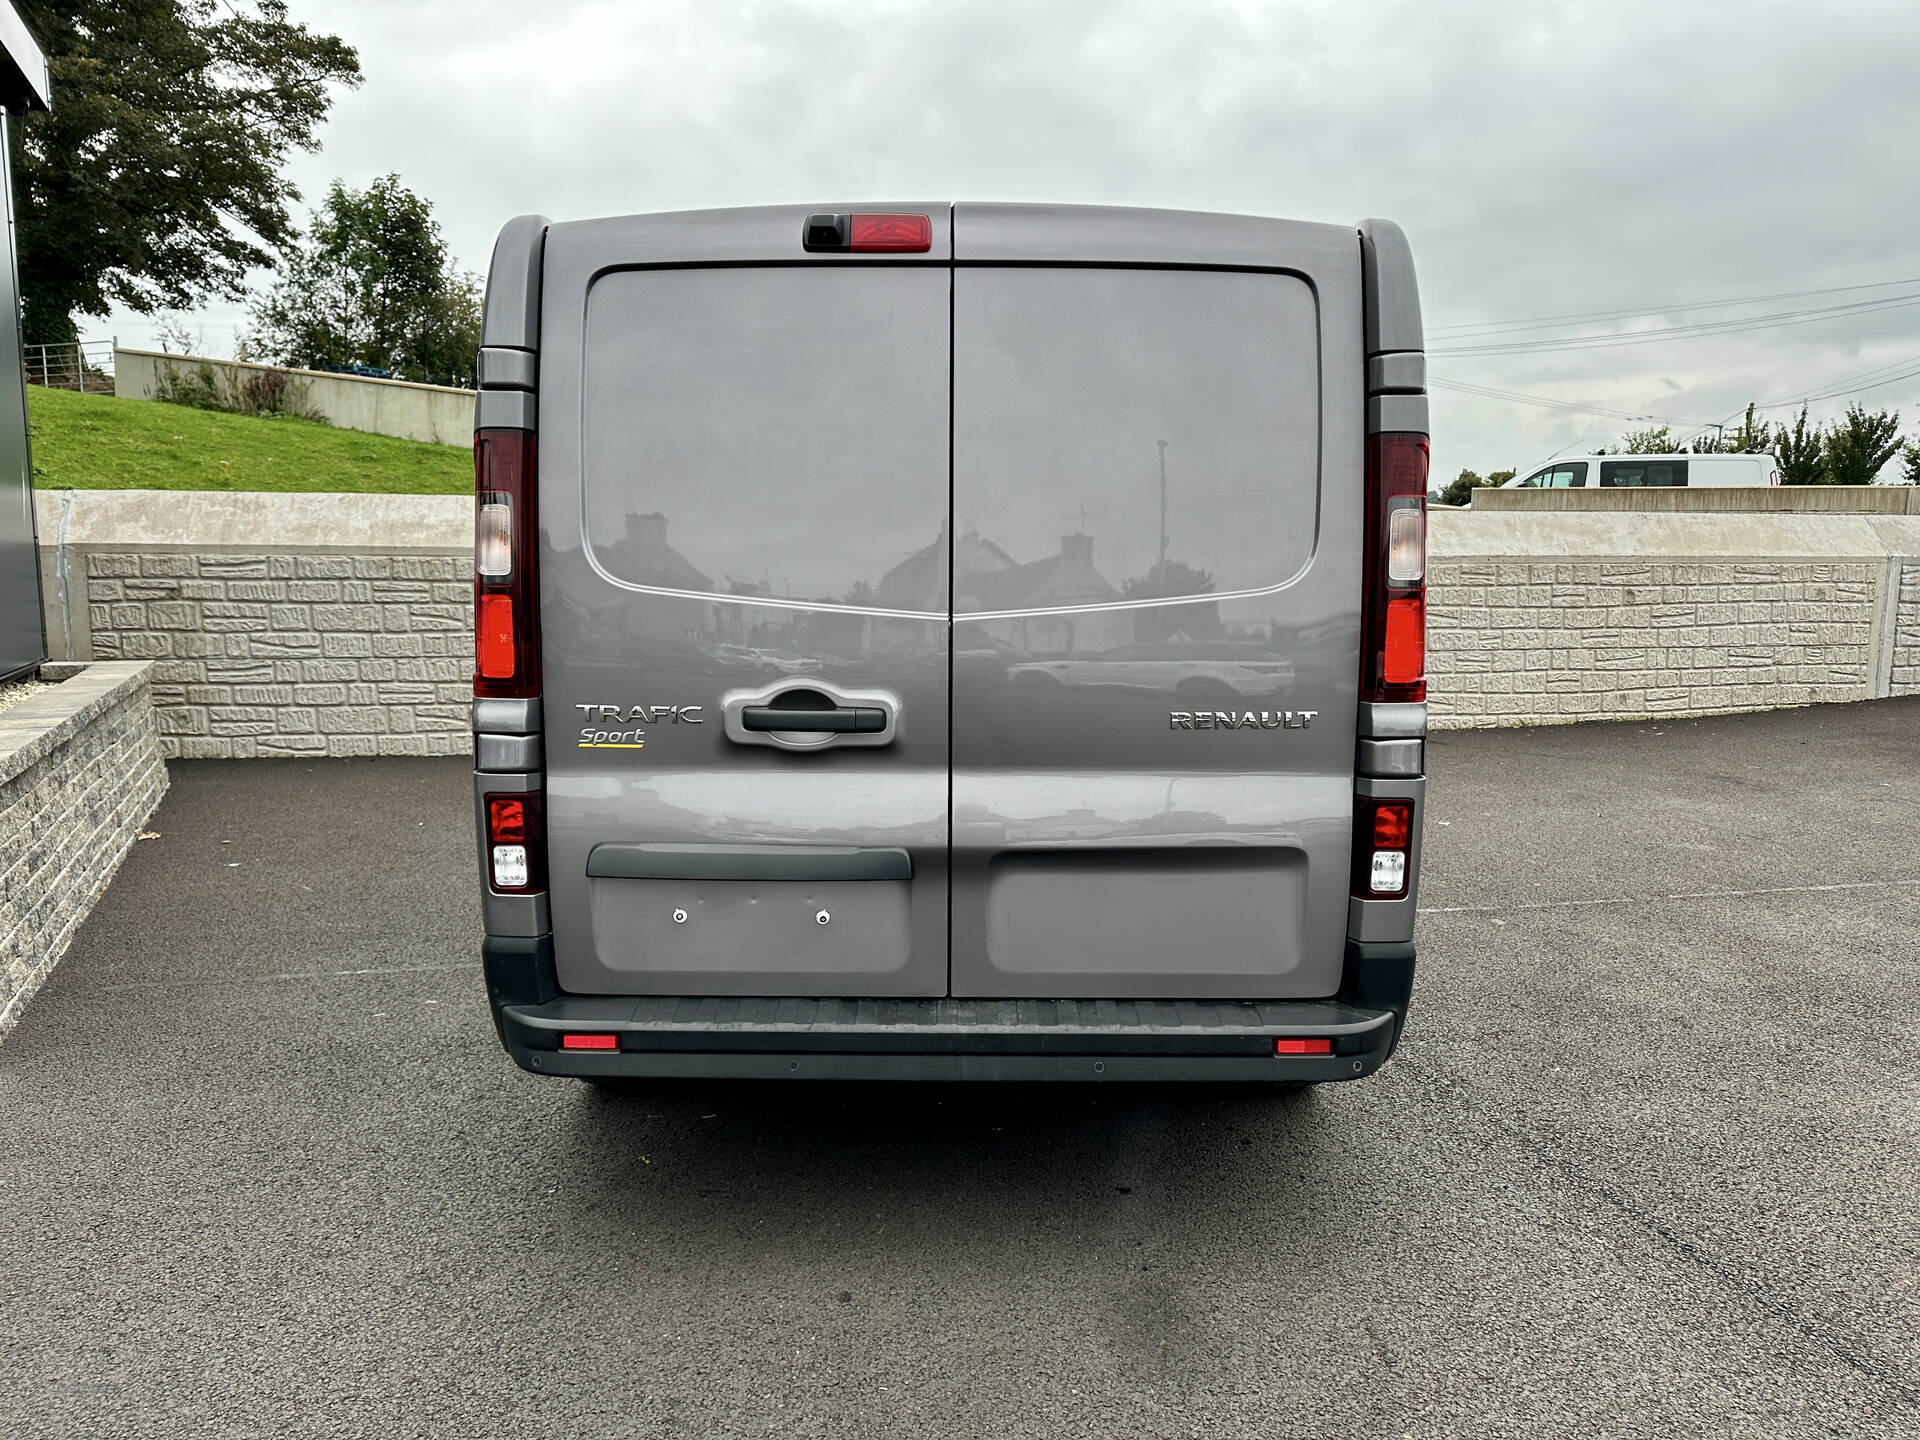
[[1543, 158]]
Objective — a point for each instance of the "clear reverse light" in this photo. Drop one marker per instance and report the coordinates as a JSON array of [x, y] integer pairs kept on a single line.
[[493, 540], [1406, 545], [509, 867], [1389, 871]]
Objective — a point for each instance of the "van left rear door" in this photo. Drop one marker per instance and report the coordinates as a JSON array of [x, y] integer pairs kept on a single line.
[[743, 515]]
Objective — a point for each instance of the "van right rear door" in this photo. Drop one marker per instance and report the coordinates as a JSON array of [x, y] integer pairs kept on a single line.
[[1158, 472]]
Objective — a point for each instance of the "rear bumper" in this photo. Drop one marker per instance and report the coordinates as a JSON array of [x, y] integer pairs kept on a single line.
[[940, 1039]]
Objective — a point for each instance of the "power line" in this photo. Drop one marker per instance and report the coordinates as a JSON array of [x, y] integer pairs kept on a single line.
[[1848, 385], [1684, 332], [1458, 331], [1518, 397], [1832, 390]]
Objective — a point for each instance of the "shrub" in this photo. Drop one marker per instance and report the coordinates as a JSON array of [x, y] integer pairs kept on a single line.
[[237, 390]]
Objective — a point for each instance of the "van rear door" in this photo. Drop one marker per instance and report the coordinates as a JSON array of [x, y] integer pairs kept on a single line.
[[743, 454], [1158, 470]]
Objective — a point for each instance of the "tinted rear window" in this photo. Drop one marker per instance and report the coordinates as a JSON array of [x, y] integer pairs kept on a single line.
[[1641, 474], [1072, 388], [778, 432]]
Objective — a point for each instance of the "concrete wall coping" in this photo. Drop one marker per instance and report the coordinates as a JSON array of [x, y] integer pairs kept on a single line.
[[1561, 534], [177, 360], [1718, 499], [40, 724], [253, 520]]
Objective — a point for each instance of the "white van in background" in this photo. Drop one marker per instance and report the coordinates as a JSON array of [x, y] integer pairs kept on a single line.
[[1637, 472]]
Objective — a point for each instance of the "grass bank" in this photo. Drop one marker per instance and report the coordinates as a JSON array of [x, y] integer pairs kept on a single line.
[[98, 442]]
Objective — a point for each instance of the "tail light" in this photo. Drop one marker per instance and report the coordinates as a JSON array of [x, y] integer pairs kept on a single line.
[[1393, 657], [1382, 842], [516, 842], [506, 636]]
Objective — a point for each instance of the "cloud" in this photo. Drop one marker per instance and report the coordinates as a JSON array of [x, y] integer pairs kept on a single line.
[[1543, 158]]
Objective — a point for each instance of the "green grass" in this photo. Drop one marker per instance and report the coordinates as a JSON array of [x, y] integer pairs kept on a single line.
[[97, 442]]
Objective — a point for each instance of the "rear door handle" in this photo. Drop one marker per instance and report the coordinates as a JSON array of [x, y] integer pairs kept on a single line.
[[841, 720]]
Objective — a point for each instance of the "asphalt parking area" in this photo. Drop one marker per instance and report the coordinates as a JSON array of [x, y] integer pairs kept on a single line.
[[1644, 1166]]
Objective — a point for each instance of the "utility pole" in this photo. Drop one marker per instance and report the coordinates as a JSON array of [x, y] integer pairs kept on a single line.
[[1161, 569]]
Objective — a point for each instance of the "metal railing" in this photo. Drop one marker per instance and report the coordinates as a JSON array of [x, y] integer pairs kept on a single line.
[[86, 365]]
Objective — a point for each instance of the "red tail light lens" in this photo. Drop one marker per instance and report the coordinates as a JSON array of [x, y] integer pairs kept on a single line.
[[506, 633], [495, 651], [1394, 654], [1382, 848], [516, 859], [890, 232], [506, 819], [1404, 662], [1392, 824]]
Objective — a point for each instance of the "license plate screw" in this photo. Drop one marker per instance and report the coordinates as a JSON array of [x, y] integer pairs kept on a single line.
[[679, 917], [822, 918]]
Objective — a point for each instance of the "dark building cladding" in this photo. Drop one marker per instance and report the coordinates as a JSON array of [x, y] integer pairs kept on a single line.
[[23, 643]]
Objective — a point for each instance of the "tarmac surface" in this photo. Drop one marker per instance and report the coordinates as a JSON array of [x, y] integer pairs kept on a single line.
[[1645, 1164]]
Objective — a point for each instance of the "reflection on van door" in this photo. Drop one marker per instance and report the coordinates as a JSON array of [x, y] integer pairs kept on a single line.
[[745, 615], [1139, 531]]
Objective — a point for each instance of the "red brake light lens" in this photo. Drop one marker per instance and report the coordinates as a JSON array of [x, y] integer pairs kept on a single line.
[[494, 649], [903, 233], [1405, 660], [506, 819], [1392, 825]]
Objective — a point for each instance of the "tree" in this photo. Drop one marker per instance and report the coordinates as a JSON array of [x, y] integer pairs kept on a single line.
[[1910, 463], [1754, 437], [1459, 490], [372, 284], [155, 180], [1859, 445], [1656, 441], [1801, 452]]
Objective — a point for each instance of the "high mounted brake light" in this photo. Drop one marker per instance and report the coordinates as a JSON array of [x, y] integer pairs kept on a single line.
[[1393, 656], [868, 234], [506, 634]]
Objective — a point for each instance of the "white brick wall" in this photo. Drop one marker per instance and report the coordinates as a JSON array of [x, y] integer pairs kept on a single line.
[[80, 770], [1906, 635], [286, 654], [339, 624], [1527, 642]]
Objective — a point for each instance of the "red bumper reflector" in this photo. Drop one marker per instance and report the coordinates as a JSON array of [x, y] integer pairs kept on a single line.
[[589, 1042], [890, 232], [1303, 1047]]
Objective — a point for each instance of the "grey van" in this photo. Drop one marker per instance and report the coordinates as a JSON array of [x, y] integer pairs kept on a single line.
[[950, 641]]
